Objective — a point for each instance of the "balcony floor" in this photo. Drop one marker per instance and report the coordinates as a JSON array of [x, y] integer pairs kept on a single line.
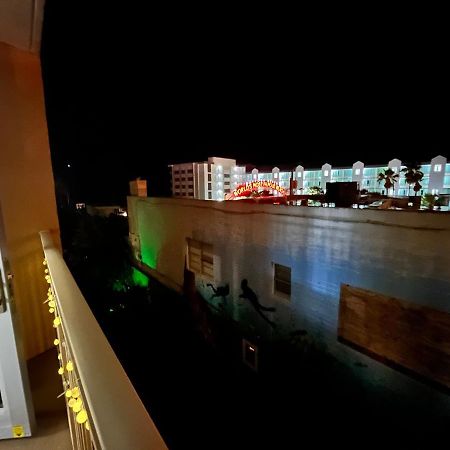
[[52, 427]]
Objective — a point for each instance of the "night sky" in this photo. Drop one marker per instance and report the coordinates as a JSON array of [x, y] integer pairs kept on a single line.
[[129, 91]]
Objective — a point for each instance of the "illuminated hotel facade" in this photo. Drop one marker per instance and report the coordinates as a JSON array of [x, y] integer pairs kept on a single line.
[[214, 179]]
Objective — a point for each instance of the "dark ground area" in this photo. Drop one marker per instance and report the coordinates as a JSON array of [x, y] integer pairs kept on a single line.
[[205, 398]]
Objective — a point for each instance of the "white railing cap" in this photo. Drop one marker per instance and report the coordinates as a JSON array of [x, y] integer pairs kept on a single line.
[[120, 419]]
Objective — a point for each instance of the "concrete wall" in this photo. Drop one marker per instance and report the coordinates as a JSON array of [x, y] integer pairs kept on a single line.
[[401, 254], [27, 197]]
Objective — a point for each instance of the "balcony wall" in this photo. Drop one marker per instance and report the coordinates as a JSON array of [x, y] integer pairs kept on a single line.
[[27, 196]]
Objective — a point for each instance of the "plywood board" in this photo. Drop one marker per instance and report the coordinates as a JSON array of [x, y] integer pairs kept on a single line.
[[412, 338]]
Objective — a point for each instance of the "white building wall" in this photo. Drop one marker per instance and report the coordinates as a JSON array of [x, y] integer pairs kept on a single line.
[[437, 173], [358, 174], [214, 179], [326, 176], [210, 180], [400, 254], [299, 176]]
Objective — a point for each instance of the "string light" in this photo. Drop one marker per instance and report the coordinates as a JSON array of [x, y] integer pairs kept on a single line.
[[72, 394]]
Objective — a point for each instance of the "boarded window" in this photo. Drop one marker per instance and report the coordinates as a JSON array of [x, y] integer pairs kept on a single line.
[[201, 258], [409, 337], [282, 279]]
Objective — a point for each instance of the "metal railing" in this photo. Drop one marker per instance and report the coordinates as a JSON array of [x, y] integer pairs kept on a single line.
[[103, 408]]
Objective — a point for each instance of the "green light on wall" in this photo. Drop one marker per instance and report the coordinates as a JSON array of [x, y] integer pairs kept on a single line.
[[139, 279], [149, 256]]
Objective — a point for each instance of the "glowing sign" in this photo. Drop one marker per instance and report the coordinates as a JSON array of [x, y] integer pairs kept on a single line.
[[244, 190]]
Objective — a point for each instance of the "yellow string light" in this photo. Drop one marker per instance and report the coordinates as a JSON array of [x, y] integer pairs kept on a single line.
[[76, 392], [82, 416], [77, 407], [73, 395]]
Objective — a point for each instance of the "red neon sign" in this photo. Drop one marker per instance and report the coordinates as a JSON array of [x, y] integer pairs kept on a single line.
[[244, 190]]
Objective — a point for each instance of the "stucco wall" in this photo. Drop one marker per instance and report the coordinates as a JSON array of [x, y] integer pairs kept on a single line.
[[401, 254], [27, 197]]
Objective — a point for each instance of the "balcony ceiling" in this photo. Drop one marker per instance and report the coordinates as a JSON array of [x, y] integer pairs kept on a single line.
[[21, 23]]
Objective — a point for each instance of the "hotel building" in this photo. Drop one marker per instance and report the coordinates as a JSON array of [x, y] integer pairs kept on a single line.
[[214, 179]]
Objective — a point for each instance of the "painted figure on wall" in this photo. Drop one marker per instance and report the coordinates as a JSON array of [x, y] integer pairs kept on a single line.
[[220, 291], [250, 295]]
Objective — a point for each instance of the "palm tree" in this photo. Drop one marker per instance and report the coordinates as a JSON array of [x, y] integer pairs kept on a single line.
[[389, 177], [413, 176]]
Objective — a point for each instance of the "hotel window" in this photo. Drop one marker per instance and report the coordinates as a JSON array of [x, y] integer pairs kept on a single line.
[[209, 195], [209, 177], [200, 258], [325, 173], [357, 171], [437, 167], [282, 280]]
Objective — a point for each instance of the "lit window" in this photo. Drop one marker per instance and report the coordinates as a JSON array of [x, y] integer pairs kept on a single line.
[[275, 175], [325, 173], [299, 174], [437, 167], [200, 258], [357, 171], [282, 280]]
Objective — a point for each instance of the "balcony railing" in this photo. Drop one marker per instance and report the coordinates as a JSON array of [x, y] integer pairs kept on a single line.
[[104, 410]]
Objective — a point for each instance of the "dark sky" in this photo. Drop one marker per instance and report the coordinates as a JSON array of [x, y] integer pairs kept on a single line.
[[129, 91]]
